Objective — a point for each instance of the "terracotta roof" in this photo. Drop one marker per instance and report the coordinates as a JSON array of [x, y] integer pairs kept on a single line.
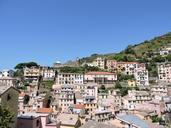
[[99, 73], [79, 106], [44, 110]]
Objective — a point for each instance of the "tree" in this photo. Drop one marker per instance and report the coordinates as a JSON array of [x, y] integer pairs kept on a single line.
[[122, 77], [156, 119], [129, 50], [168, 57], [26, 64], [159, 58], [5, 118], [102, 87], [118, 85]]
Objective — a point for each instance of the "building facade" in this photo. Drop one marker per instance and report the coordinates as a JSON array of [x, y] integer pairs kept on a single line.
[[100, 77], [164, 72], [100, 62], [69, 78]]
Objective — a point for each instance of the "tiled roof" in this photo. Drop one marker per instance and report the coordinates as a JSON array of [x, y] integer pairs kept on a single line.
[[99, 73], [68, 119], [44, 110], [79, 106]]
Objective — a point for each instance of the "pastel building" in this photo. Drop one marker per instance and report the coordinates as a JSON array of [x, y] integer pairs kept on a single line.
[[36, 120], [8, 81], [141, 77], [69, 78], [111, 65], [91, 98], [100, 77], [7, 73], [158, 91], [100, 62], [31, 75], [48, 73], [135, 97], [164, 72], [66, 98]]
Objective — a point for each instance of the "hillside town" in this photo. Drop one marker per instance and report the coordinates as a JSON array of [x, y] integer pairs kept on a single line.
[[110, 94]]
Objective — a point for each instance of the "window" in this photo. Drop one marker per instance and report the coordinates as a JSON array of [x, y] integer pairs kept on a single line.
[[8, 97], [37, 123]]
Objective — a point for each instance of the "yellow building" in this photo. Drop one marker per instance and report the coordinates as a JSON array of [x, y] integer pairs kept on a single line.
[[131, 83]]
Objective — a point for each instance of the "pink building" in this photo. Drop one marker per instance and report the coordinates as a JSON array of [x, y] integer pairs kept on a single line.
[[154, 106], [111, 65], [36, 120]]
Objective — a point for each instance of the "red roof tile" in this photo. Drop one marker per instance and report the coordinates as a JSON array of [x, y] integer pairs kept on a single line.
[[44, 110], [79, 106]]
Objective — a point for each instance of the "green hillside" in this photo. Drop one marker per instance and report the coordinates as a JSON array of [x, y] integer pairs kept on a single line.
[[136, 52]]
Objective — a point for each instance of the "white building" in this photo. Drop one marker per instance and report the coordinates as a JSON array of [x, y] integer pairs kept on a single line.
[[69, 78], [159, 91], [8, 81], [100, 62], [141, 77], [48, 73], [7, 73], [164, 72], [100, 77], [135, 97]]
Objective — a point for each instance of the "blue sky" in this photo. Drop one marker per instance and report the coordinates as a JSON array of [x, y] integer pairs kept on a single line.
[[49, 30]]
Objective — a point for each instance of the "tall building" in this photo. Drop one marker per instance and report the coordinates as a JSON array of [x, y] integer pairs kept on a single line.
[[141, 77], [164, 72], [31, 75], [100, 77], [100, 62], [66, 97], [69, 78]]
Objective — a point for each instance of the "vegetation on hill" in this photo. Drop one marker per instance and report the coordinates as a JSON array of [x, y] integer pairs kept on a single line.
[[145, 52], [82, 69], [138, 52], [26, 64], [6, 118], [19, 68]]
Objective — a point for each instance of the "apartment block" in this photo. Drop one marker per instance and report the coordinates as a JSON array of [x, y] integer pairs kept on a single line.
[[7, 73], [135, 97], [100, 62], [48, 73], [141, 77], [69, 78], [164, 72], [31, 75], [100, 77], [66, 97], [111, 65]]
